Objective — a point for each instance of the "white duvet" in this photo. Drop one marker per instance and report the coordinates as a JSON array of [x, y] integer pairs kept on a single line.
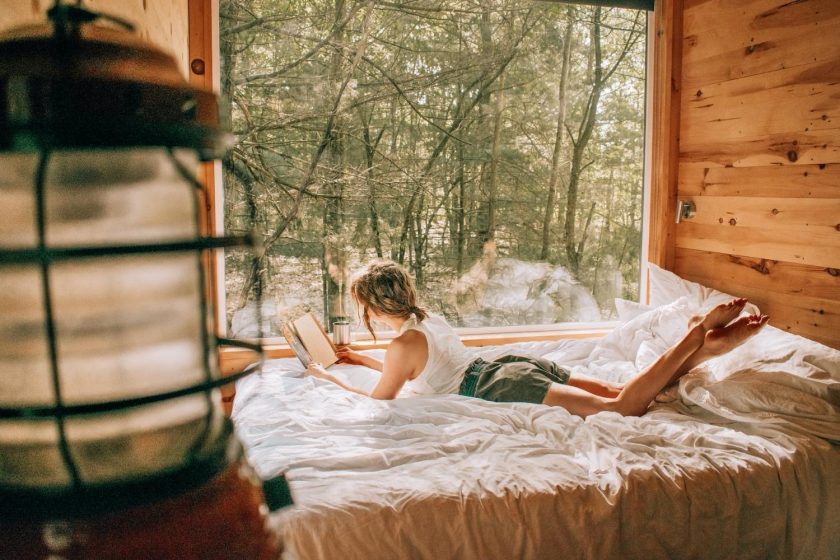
[[740, 460]]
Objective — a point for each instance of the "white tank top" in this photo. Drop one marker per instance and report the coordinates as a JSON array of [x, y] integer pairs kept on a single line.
[[448, 357]]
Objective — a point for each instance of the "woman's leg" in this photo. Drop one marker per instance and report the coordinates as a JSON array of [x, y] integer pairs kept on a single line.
[[719, 341], [595, 386], [637, 393], [612, 390], [735, 307]]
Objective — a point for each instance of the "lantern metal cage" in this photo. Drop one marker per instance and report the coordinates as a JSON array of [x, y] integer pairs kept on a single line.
[[74, 95]]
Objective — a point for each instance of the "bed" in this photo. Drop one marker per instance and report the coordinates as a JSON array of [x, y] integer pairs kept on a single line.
[[740, 460]]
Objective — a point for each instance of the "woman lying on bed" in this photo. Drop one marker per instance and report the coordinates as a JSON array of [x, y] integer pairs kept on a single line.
[[428, 356]]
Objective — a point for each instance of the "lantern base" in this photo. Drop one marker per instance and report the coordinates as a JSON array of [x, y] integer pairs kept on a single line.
[[225, 518]]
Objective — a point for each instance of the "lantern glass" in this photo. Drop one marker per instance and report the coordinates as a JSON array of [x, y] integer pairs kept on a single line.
[[122, 325], [17, 212]]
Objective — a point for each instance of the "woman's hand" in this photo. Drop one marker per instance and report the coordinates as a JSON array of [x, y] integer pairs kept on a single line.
[[347, 356], [317, 370]]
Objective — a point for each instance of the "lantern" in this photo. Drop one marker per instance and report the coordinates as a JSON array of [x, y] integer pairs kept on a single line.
[[113, 442]]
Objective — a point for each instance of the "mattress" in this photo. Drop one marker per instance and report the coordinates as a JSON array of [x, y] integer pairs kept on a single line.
[[739, 460]]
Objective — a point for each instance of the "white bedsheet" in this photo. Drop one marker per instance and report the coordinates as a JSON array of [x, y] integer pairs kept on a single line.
[[736, 462]]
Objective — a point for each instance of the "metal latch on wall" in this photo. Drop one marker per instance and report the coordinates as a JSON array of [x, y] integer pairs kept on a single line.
[[685, 210]]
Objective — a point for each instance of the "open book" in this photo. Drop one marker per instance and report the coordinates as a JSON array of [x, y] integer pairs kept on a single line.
[[309, 341]]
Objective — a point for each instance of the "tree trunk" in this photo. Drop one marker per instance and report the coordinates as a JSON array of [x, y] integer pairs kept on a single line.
[[419, 242], [574, 254], [485, 141], [460, 199], [463, 107], [587, 125], [492, 176], [370, 153], [333, 260], [397, 122], [554, 178], [461, 213], [606, 231]]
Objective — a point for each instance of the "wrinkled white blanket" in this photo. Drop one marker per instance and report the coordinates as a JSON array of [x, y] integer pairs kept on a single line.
[[735, 462]]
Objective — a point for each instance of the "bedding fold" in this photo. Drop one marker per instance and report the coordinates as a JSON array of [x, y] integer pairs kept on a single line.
[[736, 461]]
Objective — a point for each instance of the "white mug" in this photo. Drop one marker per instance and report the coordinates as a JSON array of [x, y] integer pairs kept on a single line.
[[341, 333]]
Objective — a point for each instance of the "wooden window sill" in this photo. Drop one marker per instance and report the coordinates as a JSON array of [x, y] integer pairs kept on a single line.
[[234, 359]]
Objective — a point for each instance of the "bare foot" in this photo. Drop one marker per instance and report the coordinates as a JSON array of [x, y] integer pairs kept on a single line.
[[719, 316], [720, 340], [723, 339]]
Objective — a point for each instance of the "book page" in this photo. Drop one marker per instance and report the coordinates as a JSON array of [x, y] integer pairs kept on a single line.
[[315, 340], [296, 345]]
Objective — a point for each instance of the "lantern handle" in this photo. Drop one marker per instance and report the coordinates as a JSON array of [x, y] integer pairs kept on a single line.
[[63, 15]]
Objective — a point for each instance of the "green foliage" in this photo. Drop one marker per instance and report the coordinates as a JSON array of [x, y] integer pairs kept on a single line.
[[418, 130]]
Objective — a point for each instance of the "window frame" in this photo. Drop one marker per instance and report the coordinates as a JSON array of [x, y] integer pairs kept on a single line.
[[658, 192]]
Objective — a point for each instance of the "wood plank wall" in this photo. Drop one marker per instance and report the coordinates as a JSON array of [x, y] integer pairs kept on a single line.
[[759, 154], [162, 22]]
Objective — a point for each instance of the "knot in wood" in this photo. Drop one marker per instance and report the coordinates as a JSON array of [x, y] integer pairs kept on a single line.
[[760, 267], [792, 155], [732, 221], [197, 66]]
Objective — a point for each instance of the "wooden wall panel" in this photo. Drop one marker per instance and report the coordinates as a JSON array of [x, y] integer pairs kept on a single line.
[[801, 299], [815, 250], [805, 181], [665, 122], [759, 155], [788, 279], [768, 37], [801, 216], [780, 117], [162, 22], [203, 53]]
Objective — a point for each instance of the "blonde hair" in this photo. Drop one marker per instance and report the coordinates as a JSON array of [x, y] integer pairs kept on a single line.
[[385, 287]]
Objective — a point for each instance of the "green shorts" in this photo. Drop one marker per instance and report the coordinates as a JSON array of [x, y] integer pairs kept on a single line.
[[512, 379]]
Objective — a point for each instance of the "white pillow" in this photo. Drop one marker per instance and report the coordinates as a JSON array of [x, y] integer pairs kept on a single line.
[[666, 287], [627, 309], [651, 332]]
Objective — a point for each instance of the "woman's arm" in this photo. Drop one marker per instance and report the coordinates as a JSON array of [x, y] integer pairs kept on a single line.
[[405, 355], [317, 370], [348, 356]]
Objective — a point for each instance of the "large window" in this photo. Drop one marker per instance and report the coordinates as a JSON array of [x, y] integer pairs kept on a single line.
[[494, 147]]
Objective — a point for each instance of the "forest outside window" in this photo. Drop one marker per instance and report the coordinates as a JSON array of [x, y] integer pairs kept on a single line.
[[495, 148]]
